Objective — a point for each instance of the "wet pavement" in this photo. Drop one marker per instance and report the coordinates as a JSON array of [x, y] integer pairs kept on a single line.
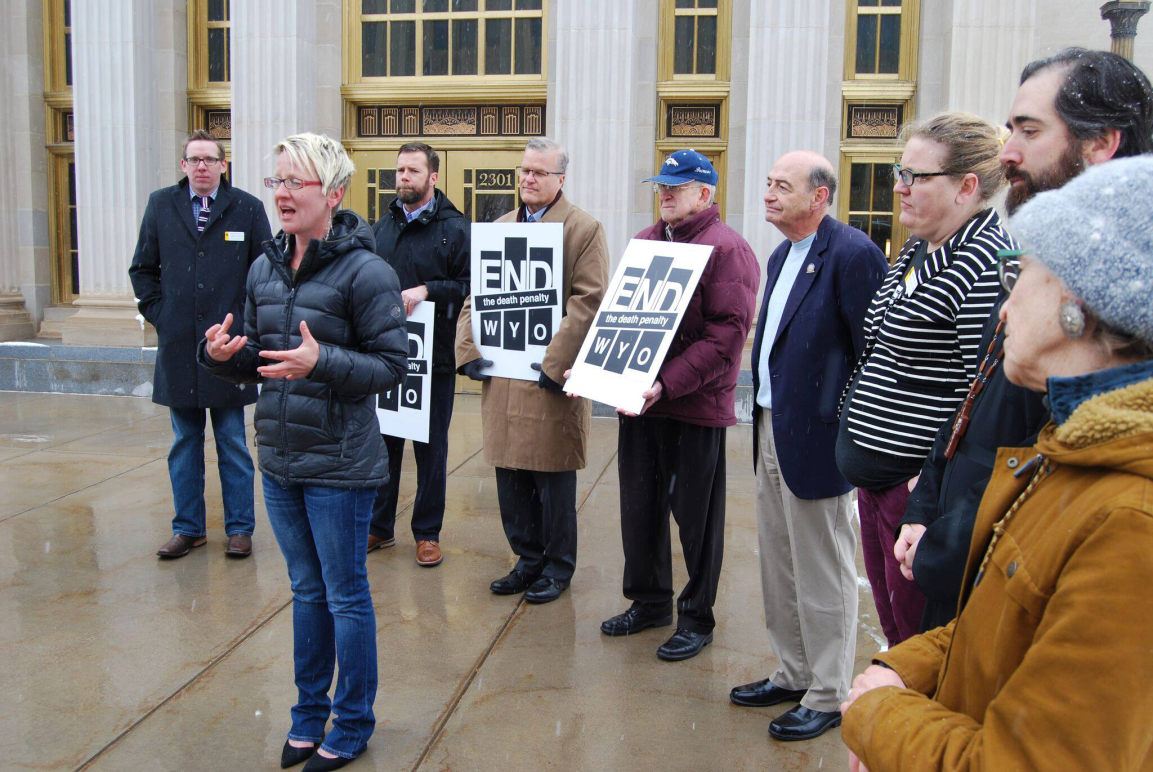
[[114, 660]]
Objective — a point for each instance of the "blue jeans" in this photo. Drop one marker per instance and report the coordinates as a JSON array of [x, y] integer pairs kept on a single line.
[[186, 470], [323, 533]]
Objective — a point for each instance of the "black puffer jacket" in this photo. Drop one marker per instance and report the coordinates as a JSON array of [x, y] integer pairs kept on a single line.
[[433, 250], [322, 430]]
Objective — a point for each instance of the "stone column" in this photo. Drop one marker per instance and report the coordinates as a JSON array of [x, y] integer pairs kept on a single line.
[[604, 109], [1123, 17], [286, 79], [23, 176], [115, 62], [787, 106], [988, 43]]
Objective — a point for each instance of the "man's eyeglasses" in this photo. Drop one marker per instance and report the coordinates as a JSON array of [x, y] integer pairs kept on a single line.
[[909, 177], [291, 183], [1008, 267], [211, 163], [536, 173], [659, 189]]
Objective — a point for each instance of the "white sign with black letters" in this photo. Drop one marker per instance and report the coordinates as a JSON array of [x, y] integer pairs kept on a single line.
[[403, 411], [636, 322], [517, 285]]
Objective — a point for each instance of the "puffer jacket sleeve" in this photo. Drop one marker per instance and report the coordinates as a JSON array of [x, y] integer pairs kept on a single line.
[[378, 323], [241, 368], [728, 307]]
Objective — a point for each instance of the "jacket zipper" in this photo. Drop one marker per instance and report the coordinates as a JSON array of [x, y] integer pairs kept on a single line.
[[284, 391]]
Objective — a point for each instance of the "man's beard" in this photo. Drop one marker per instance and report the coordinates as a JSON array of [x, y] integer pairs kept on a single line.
[[409, 194], [1068, 166]]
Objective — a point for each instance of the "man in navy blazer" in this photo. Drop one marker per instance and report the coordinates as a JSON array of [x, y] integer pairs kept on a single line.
[[810, 333]]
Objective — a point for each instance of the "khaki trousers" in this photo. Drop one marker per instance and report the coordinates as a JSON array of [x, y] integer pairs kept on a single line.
[[809, 578]]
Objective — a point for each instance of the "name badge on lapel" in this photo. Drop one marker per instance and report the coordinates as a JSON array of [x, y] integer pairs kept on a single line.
[[911, 281], [234, 235]]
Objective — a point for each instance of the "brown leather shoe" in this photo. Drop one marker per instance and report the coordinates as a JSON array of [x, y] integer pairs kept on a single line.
[[180, 545], [239, 545], [377, 543], [428, 554]]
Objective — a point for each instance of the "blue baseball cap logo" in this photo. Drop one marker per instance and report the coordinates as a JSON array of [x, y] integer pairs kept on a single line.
[[683, 167]]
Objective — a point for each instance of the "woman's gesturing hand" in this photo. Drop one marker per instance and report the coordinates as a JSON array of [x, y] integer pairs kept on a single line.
[[221, 346], [297, 363]]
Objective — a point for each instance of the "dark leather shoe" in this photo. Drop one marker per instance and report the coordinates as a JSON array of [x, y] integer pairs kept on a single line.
[[377, 543], [636, 619], [545, 590], [684, 644], [239, 545], [291, 756], [803, 723], [516, 581], [762, 694], [180, 545]]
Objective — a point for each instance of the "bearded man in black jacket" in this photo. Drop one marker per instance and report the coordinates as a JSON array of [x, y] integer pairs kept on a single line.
[[426, 241], [1072, 110]]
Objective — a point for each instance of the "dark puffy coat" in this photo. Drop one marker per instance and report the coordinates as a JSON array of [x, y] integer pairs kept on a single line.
[[699, 374], [322, 430], [433, 250], [187, 280], [949, 491]]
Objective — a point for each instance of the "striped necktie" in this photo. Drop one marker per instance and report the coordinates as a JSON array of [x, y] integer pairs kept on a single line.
[[202, 218]]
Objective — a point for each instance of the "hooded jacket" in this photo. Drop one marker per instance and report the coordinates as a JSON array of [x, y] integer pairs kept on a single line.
[[699, 374], [1049, 665], [433, 250], [322, 430]]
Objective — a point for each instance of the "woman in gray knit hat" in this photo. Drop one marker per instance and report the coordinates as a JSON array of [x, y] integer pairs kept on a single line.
[[1048, 665]]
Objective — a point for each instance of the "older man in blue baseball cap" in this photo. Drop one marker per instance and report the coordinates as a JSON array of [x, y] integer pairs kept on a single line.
[[672, 455]]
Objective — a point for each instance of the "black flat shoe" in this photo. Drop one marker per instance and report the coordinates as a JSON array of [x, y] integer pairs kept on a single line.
[[545, 590], [291, 756], [634, 620], [762, 694], [803, 723], [684, 644], [516, 581], [320, 764]]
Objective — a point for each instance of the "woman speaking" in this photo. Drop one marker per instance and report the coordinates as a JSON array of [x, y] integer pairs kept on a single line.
[[324, 332]]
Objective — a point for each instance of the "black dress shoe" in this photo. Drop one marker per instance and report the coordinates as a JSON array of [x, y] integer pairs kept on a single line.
[[516, 581], [636, 619], [290, 756], [762, 694], [683, 645], [545, 590], [320, 764], [803, 723]]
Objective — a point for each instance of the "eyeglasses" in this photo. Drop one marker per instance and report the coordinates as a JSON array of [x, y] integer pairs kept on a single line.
[[291, 183], [659, 189], [211, 163], [536, 173], [908, 176], [1009, 267]]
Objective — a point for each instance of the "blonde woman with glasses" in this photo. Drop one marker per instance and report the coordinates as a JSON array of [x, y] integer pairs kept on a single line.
[[324, 331]]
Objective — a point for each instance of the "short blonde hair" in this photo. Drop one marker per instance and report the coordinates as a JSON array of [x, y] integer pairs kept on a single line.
[[320, 154], [972, 146]]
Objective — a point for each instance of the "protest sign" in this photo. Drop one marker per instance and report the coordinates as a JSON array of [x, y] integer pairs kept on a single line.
[[403, 411], [517, 284], [636, 322]]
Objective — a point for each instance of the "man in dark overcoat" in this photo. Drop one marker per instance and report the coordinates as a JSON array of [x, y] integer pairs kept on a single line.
[[197, 240]]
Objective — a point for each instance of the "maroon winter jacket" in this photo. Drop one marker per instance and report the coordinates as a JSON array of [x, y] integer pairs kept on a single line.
[[700, 371]]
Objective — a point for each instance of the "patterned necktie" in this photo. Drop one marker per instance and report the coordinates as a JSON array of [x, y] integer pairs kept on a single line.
[[202, 218]]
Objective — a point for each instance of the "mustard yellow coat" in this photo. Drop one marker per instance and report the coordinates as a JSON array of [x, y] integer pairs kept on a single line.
[[525, 426], [1050, 663]]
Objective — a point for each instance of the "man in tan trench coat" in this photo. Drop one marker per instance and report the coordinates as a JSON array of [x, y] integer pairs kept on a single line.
[[534, 434]]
